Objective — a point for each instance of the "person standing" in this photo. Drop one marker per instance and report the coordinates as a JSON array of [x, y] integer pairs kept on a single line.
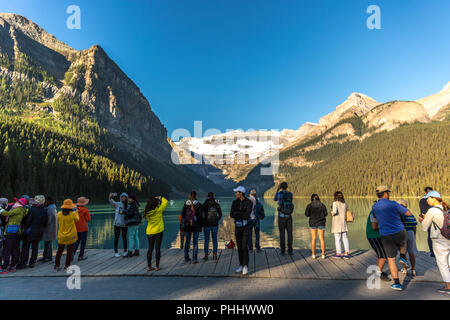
[[37, 220], [317, 213], [339, 225], [411, 246], [12, 233], [424, 206], [392, 231], [119, 222], [373, 236], [192, 218], [241, 209], [67, 232], [50, 230], [132, 220], [82, 227], [285, 210], [437, 219], [154, 214], [255, 221], [212, 213]]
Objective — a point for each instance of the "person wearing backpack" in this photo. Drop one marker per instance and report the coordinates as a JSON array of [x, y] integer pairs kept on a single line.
[[192, 218], [437, 219], [212, 213], [132, 220], [316, 212], [285, 210], [154, 214], [12, 232], [37, 220], [255, 217], [339, 225], [241, 208]]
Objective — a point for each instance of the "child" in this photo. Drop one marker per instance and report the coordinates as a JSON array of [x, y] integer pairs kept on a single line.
[[411, 226]]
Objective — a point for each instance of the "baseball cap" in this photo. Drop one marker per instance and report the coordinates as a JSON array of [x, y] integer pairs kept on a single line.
[[240, 189], [381, 189], [433, 194]]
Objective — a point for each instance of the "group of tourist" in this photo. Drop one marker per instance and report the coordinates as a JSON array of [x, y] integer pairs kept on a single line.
[[28, 221], [391, 229]]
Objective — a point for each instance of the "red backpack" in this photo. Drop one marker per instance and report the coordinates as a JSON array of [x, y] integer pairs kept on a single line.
[[445, 231]]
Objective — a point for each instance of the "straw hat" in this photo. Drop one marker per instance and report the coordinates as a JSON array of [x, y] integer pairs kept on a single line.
[[82, 201], [403, 203], [68, 204]]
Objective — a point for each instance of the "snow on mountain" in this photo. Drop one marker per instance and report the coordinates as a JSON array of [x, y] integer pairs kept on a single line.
[[435, 102]]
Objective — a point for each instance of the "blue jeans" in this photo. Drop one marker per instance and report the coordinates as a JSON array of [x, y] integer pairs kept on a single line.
[[187, 245], [133, 238], [207, 231], [254, 224], [82, 237]]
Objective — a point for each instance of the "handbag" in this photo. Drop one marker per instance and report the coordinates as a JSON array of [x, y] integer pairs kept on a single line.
[[12, 228], [350, 217]]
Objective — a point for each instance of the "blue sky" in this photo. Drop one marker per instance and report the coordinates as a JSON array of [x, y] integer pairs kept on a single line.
[[262, 64]]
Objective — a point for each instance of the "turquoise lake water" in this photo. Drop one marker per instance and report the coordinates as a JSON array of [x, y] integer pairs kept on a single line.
[[101, 230]]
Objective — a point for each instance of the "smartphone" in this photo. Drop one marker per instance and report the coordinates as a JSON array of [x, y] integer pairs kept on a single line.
[[114, 194]]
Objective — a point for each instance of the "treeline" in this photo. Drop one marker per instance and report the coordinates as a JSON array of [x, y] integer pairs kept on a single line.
[[35, 160], [406, 159]]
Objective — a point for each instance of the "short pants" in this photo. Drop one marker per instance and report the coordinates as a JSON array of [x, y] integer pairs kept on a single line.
[[393, 242]]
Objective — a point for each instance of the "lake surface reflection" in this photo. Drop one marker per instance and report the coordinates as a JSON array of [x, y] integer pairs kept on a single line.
[[101, 230]]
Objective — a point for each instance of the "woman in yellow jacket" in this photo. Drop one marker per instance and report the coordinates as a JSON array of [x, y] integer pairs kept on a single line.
[[67, 232], [153, 212]]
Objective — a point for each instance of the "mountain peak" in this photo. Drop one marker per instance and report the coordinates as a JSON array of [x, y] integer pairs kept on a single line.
[[35, 32], [435, 102], [446, 87]]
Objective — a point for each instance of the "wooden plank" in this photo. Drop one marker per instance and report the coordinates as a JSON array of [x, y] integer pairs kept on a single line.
[[169, 259], [251, 263], [224, 262], [345, 267], [357, 266], [121, 266], [180, 267], [321, 272], [106, 260], [234, 264], [275, 268], [334, 268], [262, 265], [304, 269], [209, 266], [288, 266]]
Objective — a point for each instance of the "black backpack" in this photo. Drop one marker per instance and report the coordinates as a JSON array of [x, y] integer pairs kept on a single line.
[[212, 215], [286, 207]]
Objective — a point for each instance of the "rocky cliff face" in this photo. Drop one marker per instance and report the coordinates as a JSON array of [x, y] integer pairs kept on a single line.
[[93, 79]]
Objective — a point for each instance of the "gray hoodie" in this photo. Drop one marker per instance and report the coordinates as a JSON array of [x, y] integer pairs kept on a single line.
[[119, 219]]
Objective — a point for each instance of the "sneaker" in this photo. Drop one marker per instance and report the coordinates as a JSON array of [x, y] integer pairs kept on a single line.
[[187, 259], [13, 269], [245, 270], [384, 276], [128, 254], [444, 290], [346, 256], [56, 269], [239, 269], [313, 256], [323, 256], [195, 262], [136, 253], [403, 262], [116, 255], [82, 258], [336, 256], [396, 286], [413, 273], [4, 271]]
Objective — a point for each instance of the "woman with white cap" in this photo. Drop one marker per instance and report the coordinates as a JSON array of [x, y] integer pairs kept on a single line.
[[435, 219]]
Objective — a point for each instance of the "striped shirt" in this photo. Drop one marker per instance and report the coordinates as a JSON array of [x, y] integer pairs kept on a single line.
[[410, 222]]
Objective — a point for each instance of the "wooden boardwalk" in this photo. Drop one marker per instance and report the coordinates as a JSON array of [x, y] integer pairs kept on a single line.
[[268, 263]]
